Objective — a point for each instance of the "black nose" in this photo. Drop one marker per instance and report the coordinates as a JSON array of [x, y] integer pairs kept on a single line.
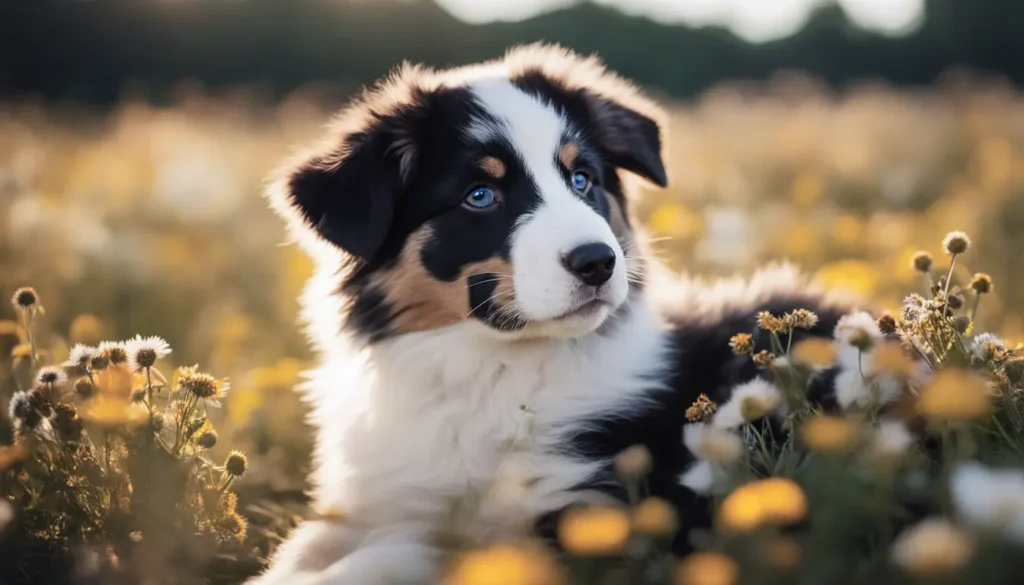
[[591, 263]]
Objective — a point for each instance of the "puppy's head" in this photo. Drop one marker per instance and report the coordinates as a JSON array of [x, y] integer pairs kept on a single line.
[[489, 194]]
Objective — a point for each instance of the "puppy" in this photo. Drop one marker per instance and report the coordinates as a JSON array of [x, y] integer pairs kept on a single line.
[[484, 313]]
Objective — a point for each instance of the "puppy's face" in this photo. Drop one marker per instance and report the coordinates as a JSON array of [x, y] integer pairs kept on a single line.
[[487, 194]]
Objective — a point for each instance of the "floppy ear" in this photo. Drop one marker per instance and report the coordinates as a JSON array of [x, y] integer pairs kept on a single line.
[[349, 198], [347, 191], [631, 140], [627, 123]]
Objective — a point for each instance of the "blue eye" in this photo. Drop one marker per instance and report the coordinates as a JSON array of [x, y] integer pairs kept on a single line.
[[581, 181], [481, 198]]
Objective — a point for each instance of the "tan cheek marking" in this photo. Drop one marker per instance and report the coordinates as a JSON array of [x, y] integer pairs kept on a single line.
[[493, 167], [568, 155], [421, 302]]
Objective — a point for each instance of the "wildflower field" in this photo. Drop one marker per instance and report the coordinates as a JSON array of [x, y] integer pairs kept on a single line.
[[148, 433]]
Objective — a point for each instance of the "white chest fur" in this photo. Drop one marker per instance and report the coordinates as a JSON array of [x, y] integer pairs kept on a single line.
[[453, 428]]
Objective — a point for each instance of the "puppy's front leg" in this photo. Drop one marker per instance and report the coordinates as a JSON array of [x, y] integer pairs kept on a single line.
[[322, 552]]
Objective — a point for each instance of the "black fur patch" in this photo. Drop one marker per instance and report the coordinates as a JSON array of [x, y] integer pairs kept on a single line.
[[701, 362]]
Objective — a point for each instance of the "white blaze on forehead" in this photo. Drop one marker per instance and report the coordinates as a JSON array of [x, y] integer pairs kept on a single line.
[[534, 129], [562, 221]]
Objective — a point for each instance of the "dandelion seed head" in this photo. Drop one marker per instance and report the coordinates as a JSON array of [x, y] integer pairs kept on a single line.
[[199, 384], [801, 319], [887, 324], [25, 299], [236, 464], [981, 283], [84, 387], [701, 410], [81, 356], [769, 322], [41, 400], [20, 405], [114, 351], [143, 352], [51, 376], [756, 397], [985, 345], [922, 262], [99, 362], [962, 324], [859, 330], [956, 243], [764, 358], [207, 439]]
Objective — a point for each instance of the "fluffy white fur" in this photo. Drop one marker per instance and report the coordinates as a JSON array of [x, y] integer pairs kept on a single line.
[[410, 427]]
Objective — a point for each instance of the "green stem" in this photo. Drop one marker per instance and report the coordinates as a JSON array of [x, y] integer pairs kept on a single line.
[[949, 276]]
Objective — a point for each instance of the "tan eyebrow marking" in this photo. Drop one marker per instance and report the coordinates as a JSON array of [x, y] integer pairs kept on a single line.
[[568, 155], [493, 167]]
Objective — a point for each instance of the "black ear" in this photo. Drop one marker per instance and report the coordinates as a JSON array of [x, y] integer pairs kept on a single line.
[[349, 198], [631, 140], [348, 190]]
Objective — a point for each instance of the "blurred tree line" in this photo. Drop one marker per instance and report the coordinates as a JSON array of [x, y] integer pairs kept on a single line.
[[88, 51]]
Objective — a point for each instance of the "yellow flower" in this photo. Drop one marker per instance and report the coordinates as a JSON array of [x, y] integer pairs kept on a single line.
[[931, 547], [674, 219], [8, 328], [504, 564], [706, 568], [854, 275], [86, 329], [742, 344], [111, 413], [829, 433], [632, 463], [890, 358], [955, 395], [11, 454], [654, 517], [594, 531], [816, 352], [775, 500]]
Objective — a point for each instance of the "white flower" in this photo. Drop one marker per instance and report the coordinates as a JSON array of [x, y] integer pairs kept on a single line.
[[852, 389], [51, 376], [699, 477], [144, 352], [712, 444], [80, 356], [855, 334], [19, 406], [930, 547], [990, 499], [760, 396], [981, 347], [892, 439]]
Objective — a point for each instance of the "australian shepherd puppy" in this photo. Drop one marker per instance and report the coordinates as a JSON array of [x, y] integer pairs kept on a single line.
[[485, 316]]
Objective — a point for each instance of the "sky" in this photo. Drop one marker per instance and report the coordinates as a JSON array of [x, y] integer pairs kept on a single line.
[[752, 20]]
